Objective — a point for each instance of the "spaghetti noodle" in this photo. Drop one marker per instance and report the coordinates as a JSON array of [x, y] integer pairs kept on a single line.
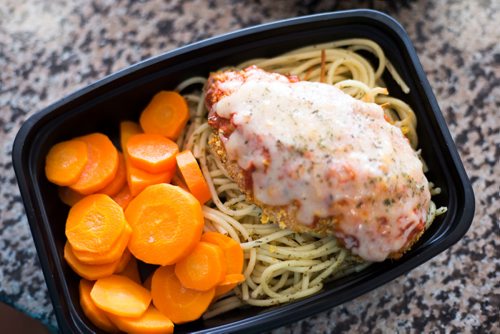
[[281, 265]]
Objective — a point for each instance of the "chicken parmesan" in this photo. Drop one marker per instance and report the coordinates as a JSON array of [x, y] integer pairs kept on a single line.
[[315, 159]]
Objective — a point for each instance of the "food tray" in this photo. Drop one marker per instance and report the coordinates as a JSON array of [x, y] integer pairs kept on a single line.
[[101, 105]]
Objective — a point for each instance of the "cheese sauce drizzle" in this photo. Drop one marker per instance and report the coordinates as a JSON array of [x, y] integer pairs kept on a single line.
[[311, 144]]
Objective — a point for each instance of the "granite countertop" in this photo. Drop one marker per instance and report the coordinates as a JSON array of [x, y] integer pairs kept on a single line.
[[49, 49]]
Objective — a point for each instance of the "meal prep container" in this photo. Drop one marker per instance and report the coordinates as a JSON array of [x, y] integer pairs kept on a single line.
[[123, 95]]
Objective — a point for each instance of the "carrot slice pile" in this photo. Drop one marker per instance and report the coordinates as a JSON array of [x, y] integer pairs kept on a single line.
[[152, 153], [203, 268], [95, 223], [150, 322], [111, 255], [65, 162], [233, 254], [119, 180], [97, 316], [139, 179], [89, 271], [121, 296], [178, 303], [166, 115], [167, 223], [101, 166], [232, 250], [123, 210], [192, 176]]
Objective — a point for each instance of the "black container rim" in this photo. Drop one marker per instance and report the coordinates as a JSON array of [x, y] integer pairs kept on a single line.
[[312, 305]]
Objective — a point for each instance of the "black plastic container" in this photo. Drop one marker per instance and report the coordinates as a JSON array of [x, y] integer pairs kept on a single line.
[[100, 107]]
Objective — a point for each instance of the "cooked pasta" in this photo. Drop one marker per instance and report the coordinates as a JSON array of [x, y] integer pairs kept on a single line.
[[281, 265]]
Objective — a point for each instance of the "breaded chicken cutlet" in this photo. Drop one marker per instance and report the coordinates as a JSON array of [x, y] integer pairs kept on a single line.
[[314, 159]]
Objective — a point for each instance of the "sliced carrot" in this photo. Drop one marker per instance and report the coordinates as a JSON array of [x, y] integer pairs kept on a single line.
[[119, 180], [192, 176], [151, 322], [178, 303], [97, 316], [229, 283], [167, 223], [121, 296], [178, 181], [111, 255], [203, 268], [130, 270], [151, 152], [95, 223], [127, 130], [68, 196], [123, 197], [124, 261], [232, 279], [101, 166], [65, 162], [166, 115], [139, 179], [233, 252], [88, 271]]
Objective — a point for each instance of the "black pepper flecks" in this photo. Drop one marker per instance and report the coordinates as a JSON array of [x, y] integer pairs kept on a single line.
[[49, 49]]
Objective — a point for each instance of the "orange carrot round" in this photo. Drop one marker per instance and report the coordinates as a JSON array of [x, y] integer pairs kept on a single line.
[[167, 223], [192, 176], [178, 303], [111, 255], [232, 279], [101, 166], [97, 316], [121, 296], [65, 162], [150, 322], [178, 181], [119, 180], [233, 254], [127, 130], [89, 271], [124, 261], [203, 268], [229, 283], [139, 179], [151, 152], [95, 223], [123, 197], [232, 250], [166, 115]]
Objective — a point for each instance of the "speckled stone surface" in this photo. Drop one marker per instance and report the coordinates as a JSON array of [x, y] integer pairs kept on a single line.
[[49, 49]]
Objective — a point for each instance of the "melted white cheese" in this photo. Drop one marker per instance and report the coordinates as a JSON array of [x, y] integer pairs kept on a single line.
[[333, 156]]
